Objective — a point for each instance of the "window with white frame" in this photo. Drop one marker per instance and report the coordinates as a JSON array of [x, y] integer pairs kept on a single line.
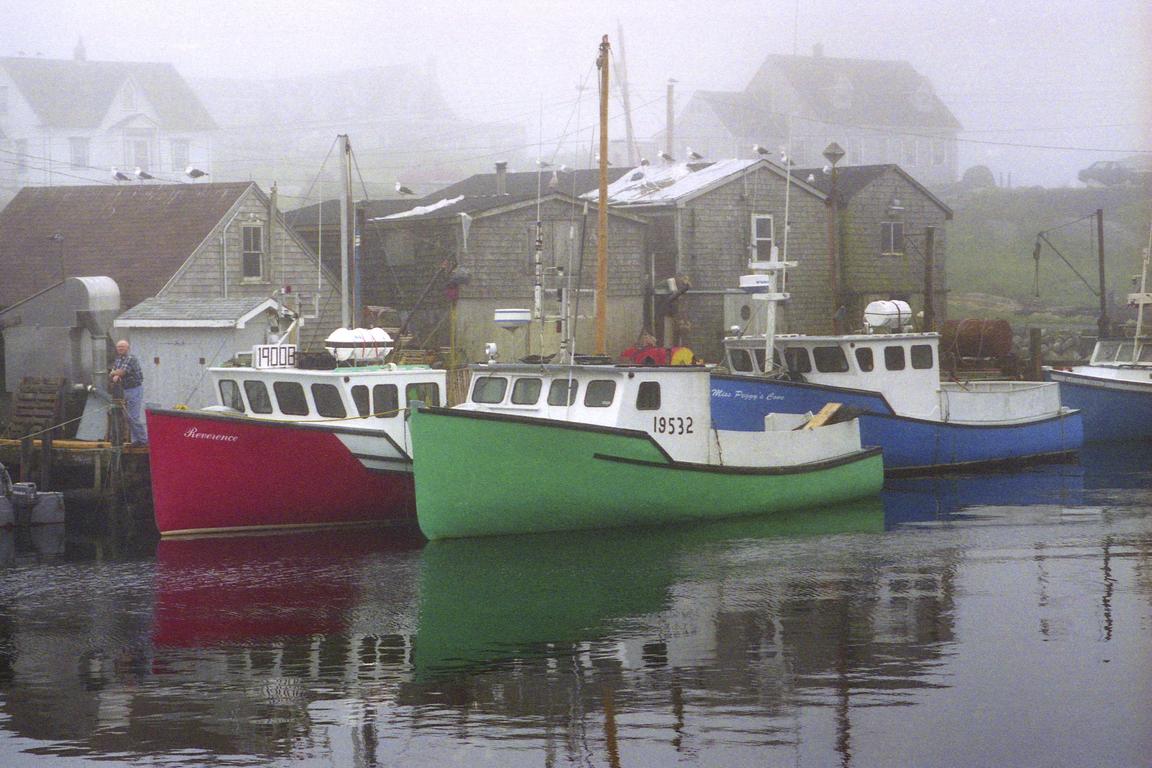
[[892, 238], [78, 149], [180, 154], [763, 237], [253, 254]]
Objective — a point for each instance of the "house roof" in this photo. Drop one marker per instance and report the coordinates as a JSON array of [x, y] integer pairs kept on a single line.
[[66, 93], [861, 92], [165, 312], [138, 235], [743, 114], [851, 179], [452, 207], [667, 184], [527, 183], [329, 211]]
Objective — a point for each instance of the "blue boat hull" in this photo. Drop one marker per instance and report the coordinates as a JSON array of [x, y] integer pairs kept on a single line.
[[1110, 412], [910, 445]]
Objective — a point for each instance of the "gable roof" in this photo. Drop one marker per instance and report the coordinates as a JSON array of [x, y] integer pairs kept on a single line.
[[852, 179], [452, 207], [743, 114], [329, 211], [66, 93], [864, 92], [138, 235], [665, 185]]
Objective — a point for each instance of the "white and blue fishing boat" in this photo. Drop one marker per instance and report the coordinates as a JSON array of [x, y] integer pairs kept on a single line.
[[1114, 390], [892, 376]]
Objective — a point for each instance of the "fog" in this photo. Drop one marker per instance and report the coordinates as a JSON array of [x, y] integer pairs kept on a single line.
[[1041, 89]]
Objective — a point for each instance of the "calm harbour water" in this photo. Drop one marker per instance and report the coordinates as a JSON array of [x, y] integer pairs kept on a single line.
[[995, 620]]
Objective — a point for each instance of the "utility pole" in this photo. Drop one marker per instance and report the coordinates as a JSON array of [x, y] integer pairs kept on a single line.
[[833, 153], [602, 208], [670, 119], [1102, 323], [272, 233]]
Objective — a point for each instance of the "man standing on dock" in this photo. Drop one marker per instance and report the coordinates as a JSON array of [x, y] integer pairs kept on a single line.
[[126, 373]]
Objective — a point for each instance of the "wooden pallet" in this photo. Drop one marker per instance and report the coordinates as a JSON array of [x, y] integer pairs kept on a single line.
[[37, 405]]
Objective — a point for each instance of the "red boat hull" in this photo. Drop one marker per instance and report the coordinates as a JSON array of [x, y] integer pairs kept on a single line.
[[217, 473]]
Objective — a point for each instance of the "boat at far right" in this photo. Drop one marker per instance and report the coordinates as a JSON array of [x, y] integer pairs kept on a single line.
[[1114, 390]]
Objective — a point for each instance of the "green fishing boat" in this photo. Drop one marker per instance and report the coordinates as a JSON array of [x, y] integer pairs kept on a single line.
[[566, 447]]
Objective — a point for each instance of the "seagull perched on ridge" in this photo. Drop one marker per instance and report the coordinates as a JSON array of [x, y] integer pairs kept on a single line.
[[142, 174], [666, 157], [643, 161], [693, 155], [194, 172], [762, 151], [403, 190], [120, 175]]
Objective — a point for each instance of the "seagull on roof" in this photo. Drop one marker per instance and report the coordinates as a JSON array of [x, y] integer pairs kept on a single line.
[[666, 157], [762, 151], [643, 161], [194, 172], [142, 174], [693, 155], [120, 175], [811, 178], [543, 163], [403, 190], [554, 182], [826, 169]]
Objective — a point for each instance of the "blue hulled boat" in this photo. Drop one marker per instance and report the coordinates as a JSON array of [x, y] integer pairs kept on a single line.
[[893, 377]]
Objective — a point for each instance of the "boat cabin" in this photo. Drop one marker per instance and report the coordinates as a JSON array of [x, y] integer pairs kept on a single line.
[[904, 367], [369, 397], [670, 403], [1122, 353]]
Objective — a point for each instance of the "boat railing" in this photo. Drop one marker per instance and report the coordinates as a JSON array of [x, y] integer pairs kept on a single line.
[[1018, 401]]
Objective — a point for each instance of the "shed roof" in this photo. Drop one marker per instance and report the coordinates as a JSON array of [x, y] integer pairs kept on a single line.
[[164, 312], [138, 235], [670, 183], [67, 93], [852, 179]]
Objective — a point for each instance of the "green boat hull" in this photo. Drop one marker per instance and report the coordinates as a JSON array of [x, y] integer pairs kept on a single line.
[[480, 474]]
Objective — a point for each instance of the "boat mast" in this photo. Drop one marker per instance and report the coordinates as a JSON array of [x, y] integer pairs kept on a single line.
[[602, 214], [1143, 298], [345, 199]]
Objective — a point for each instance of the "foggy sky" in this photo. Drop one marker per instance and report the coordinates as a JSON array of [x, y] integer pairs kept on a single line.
[[1070, 81]]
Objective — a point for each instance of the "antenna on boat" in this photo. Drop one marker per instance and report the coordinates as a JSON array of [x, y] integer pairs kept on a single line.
[[345, 199], [1143, 298]]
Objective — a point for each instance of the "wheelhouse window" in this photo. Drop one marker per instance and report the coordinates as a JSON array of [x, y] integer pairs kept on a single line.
[[329, 404], [526, 391], [258, 398], [230, 395], [386, 401], [563, 392], [797, 360], [763, 236], [921, 356], [864, 359], [830, 359], [425, 391], [489, 389], [648, 396], [253, 256], [892, 238], [894, 358], [360, 400], [599, 393], [290, 398], [740, 360]]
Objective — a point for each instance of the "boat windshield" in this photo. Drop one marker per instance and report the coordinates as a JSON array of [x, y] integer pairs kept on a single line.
[[1114, 352]]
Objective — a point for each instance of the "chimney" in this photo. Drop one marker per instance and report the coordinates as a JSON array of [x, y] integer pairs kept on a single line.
[[79, 53], [818, 51], [502, 178]]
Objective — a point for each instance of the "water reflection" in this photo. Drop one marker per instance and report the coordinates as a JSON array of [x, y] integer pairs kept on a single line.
[[808, 638]]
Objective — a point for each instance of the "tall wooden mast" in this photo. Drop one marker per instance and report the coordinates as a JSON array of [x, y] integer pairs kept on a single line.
[[602, 213]]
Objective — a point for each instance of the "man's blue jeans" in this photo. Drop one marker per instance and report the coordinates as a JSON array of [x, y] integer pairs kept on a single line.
[[133, 404]]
